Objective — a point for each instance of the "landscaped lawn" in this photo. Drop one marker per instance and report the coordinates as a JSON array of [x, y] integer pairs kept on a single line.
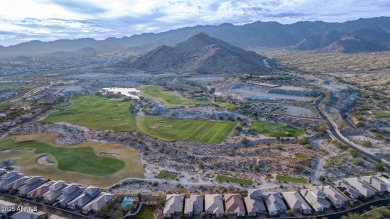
[[383, 114], [97, 113], [145, 213], [187, 130], [275, 130], [168, 98], [245, 182], [92, 163], [291, 179], [167, 175]]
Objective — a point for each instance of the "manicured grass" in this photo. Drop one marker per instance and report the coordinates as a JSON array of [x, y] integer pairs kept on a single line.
[[227, 106], [168, 98], [82, 159], [145, 213], [383, 114], [186, 130], [275, 130], [97, 113], [167, 175], [92, 163], [302, 156], [291, 179], [11, 86], [113, 114], [245, 182]]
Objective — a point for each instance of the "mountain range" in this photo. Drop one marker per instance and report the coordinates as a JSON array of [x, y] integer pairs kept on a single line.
[[201, 54], [351, 36]]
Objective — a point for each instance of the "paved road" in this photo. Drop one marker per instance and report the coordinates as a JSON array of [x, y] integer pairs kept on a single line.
[[336, 134]]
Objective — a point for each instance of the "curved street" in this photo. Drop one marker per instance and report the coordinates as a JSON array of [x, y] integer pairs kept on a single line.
[[334, 132]]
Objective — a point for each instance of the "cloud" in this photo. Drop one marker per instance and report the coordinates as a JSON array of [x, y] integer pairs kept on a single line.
[[54, 19]]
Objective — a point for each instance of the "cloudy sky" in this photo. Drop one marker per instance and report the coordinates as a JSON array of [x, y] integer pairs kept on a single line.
[[45, 20]]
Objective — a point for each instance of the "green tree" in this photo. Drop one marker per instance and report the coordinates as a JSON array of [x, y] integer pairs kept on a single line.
[[358, 161], [244, 140], [379, 167], [303, 141]]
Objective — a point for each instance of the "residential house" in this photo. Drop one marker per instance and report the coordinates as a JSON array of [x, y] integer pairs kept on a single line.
[[363, 187], [193, 205], [234, 205], [214, 205], [96, 204], [296, 202], [7, 208], [255, 194], [55, 190], [384, 177], [31, 184], [88, 194], [68, 194], [335, 197], [254, 207], [38, 192], [377, 184], [274, 203], [9, 178], [351, 193], [53, 216], [316, 199], [254, 203], [29, 215], [16, 184], [173, 205]]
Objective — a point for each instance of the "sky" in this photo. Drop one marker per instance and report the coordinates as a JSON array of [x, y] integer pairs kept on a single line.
[[47, 20]]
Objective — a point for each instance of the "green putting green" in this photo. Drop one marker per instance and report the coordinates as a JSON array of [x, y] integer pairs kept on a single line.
[[275, 130]]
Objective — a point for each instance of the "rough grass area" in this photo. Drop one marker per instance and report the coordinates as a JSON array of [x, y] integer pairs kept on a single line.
[[145, 213], [383, 114], [97, 113], [77, 163], [291, 179], [227, 106], [186, 130], [275, 130], [167, 97], [167, 175], [244, 182]]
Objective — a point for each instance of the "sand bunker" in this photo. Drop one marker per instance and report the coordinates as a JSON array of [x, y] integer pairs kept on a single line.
[[110, 154], [43, 159]]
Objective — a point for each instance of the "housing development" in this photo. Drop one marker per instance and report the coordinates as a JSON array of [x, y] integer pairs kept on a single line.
[[245, 120]]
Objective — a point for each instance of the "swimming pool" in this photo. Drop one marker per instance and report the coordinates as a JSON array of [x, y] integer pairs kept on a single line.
[[127, 201]]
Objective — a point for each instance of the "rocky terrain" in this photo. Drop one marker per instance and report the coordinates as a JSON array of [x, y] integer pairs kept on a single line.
[[201, 54], [363, 40]]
